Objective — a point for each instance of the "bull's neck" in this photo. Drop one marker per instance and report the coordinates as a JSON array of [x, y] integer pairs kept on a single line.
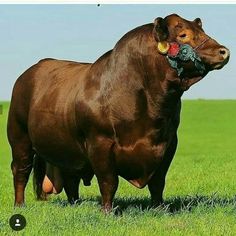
[[163, 85], [142, 67]]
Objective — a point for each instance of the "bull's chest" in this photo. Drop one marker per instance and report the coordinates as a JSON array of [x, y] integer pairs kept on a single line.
[[138, 163]]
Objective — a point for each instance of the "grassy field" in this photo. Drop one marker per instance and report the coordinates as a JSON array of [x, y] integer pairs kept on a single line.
[[200, 193]]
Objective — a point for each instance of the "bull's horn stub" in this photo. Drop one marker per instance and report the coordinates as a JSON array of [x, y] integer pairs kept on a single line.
[[163, 47]]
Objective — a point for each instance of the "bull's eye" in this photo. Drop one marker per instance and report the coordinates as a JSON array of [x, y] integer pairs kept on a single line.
[[183, 35]]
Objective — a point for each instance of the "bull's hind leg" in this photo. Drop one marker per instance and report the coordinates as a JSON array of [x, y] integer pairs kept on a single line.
[[22, 154], [39, 169], [71, 182]]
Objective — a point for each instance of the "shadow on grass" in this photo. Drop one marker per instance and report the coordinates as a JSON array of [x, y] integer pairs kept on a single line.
[[179, 204], [172, 205]]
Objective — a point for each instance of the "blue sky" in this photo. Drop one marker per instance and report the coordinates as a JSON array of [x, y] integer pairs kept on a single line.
[[84, 32]]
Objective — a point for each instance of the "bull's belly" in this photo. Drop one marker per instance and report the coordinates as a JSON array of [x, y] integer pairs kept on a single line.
[[61, 156]]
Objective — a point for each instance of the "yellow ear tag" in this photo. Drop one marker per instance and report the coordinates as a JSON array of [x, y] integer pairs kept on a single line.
[[163, 47]]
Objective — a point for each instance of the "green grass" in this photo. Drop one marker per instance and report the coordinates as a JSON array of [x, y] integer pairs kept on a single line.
[[199, 195]]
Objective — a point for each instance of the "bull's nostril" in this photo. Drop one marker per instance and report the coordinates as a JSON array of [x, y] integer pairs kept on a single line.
[[224, 52]]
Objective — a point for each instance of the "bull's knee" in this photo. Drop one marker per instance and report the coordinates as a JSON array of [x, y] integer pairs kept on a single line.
[[21, 168]]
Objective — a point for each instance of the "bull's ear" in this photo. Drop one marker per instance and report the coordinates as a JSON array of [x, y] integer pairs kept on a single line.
[[198, 21], [160, 29]]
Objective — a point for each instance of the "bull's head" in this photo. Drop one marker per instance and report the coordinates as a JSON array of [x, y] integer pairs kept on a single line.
[[181, 39]]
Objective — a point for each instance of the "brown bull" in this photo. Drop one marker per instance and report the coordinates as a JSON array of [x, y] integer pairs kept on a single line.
[[115, 117]]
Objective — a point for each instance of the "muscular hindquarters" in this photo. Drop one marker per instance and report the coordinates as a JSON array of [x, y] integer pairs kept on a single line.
[[42, 92], [51, 122]]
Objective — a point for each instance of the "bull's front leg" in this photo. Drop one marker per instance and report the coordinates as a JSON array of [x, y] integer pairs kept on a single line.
[[157, 182], [103, 163]]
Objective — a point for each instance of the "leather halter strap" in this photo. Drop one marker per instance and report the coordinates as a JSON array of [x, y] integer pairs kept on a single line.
[[202, 43]]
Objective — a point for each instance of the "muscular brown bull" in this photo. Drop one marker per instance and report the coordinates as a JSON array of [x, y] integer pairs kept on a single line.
[[115, 117]]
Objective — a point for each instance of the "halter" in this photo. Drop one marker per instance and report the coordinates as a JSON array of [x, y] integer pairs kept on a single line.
[[187, 53]]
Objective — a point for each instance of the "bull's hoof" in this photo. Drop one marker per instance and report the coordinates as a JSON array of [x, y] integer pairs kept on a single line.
[[114, 211], [19, 204], [74, 202], [42, 197], [157, 203]]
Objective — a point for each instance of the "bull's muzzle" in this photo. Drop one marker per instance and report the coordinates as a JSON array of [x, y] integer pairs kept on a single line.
[[224, 55]]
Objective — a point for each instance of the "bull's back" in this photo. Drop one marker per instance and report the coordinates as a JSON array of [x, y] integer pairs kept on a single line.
[[45, 94]]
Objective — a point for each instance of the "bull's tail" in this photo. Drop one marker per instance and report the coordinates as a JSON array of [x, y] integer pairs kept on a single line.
[[39, 171]]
